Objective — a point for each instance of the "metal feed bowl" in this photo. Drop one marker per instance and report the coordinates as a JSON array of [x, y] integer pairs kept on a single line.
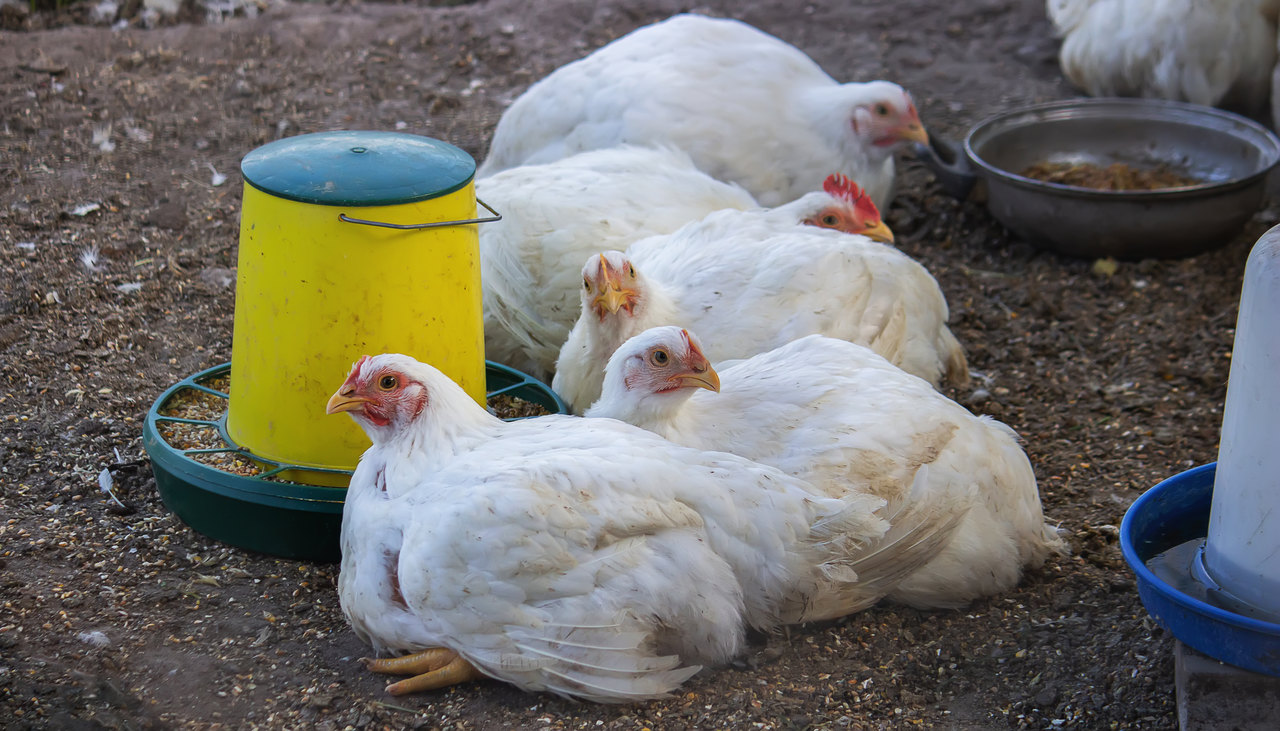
[[1230, 153], [276, 511]]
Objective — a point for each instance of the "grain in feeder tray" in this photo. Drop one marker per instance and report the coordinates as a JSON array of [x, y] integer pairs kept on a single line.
[[1116, 176]]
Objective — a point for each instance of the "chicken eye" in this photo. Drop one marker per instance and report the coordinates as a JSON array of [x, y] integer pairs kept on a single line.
[[586, 284], [631, 271], [659, 357], [882, 110], [386, 383], [829, 220]]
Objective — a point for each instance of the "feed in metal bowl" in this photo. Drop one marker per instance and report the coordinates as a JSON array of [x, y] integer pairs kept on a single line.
[[1232, 155]]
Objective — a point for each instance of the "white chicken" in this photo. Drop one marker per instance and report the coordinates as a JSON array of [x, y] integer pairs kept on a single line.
[[585, 557], [747, 107], [1211, 52], [749, 289], [846, 420], [557, 214]]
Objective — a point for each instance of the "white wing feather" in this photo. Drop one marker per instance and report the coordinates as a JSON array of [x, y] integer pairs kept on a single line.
[[1210, 52], [746, 287], [960, 492], [587, 558]]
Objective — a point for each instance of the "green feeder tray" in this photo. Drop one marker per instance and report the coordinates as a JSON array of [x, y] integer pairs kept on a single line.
[[222, 490]]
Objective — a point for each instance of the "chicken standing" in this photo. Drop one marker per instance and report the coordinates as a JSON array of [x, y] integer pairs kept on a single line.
[[750, 288], [747, 107], [557, 214], [1211, 52], [585, 557], [846, 420]]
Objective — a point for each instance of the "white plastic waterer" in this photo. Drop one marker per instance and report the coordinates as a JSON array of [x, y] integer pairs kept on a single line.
[[1242, 551]]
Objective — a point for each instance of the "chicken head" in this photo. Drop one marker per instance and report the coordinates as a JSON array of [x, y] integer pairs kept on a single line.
[[609, 284], [379, 395], [655, 373], [663, 360], [889, 119], [852, 210]]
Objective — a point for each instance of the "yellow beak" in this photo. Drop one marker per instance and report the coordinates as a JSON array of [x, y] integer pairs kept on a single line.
[[880, 232], [344, 402], [612, 298], [914, 132], [707, 379]]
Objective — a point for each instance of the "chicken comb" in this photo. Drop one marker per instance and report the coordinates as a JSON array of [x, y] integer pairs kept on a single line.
[[688, 340], [355, 367], [838, 185], [693, 346]]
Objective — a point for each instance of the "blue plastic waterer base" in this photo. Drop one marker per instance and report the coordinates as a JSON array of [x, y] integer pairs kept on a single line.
[[1169, 514]]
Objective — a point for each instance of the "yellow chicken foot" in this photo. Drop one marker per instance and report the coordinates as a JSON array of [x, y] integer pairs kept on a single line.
[[437, 667]]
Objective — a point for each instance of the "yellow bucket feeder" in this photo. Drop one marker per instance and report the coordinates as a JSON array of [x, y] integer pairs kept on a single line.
[[351, 243]]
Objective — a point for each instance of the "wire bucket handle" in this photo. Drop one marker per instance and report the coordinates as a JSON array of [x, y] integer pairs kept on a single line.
[[437, 224]]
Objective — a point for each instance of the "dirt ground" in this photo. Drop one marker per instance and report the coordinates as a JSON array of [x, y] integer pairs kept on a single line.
[[117, 617]]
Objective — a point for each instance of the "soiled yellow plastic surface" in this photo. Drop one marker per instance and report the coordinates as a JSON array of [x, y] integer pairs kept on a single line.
[[314, 293]]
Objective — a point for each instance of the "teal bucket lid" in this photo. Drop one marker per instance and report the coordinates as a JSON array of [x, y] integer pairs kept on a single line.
[[358, 168]]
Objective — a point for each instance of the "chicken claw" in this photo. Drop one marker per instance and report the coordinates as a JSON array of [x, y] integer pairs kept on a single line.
[[436, 667]]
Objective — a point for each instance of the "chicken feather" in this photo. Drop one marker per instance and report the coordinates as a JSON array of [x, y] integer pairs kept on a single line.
[[587, 558], [846, 420], [747, 107], [557, 214], [749, 286], [1211, 52]]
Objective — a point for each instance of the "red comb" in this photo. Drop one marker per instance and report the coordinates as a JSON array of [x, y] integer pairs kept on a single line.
[[840, 186], [355, 367], [688, 340], [694, 350]]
